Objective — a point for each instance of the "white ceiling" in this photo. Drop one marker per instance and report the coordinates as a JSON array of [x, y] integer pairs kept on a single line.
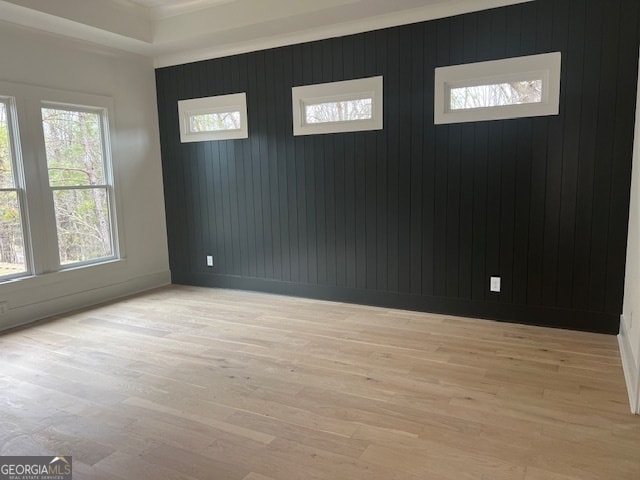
[[181, 31], [169, 8]]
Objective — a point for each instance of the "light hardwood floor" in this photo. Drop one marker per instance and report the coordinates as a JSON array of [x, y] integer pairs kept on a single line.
[[192, 383]]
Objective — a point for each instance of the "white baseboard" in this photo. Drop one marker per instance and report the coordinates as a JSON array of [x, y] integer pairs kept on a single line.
[[630, 367], [75, 301]]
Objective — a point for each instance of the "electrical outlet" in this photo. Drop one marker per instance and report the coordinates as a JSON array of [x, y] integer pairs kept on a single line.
[[495, 284], [209, 260], [4, 308]]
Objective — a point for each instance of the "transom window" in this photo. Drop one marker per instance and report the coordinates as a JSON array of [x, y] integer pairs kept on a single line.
[[500, 89], [348, 106], [223, 117]]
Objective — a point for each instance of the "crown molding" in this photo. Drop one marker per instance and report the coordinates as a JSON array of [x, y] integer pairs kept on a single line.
[[200, 35], [221, 47]]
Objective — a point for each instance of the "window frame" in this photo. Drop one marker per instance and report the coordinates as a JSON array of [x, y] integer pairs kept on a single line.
[[108, 186], [17, 165], [40, 233], [235, 102], [357, 89], [545, 67]]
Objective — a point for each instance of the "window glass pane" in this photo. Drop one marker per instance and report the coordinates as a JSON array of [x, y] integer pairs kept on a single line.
[[496, 95], [84, 225], [73, 142], [339, 111], [6, 165], [12, 254], [213, 122]]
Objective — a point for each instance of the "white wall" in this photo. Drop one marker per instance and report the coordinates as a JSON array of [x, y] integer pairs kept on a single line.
[[629, 337], [43, 60]]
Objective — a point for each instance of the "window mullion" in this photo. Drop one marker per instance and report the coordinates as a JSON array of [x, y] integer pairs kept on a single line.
[[41, 217]]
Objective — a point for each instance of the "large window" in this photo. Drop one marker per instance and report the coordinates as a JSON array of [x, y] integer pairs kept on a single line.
[[499, 89], [13, 254], [77, 156], [57, 191]]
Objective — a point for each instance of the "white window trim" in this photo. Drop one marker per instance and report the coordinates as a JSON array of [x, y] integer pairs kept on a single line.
[[236, 102], [103, 112], [546, 67], [17, 163], [371, 87], [41, 230]]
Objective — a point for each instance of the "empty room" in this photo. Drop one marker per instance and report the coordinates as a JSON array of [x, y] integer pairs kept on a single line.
[[333, 240]]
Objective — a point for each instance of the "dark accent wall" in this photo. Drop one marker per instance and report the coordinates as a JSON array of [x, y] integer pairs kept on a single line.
[[418, 216]]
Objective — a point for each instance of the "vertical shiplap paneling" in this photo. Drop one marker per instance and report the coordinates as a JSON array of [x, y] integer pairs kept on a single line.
[[182, 230], [360, 165], [340, 224], [210, 205], [441, 162], [215, 207], [605, 145], [309, 161], [510, 161], [282, 119], [524, 174], [404, 159], [467, 165], [494, 205], [495, 135], [350, 179], [499, 142], [391, 131], [574, 61], [416, 214], [455, 194], [555, 148], [317, 151], [252, 176], [246, 198], [430, 50], [290, 166], [202, 217], [262, 161], [414, 99], [243, 210], [300, 205], [522, 192], [329, 162], [587, 154], [480, 210], [479, 147], [382, 161], [370, 173], [231, 82], [272, 160], [538, 182]]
